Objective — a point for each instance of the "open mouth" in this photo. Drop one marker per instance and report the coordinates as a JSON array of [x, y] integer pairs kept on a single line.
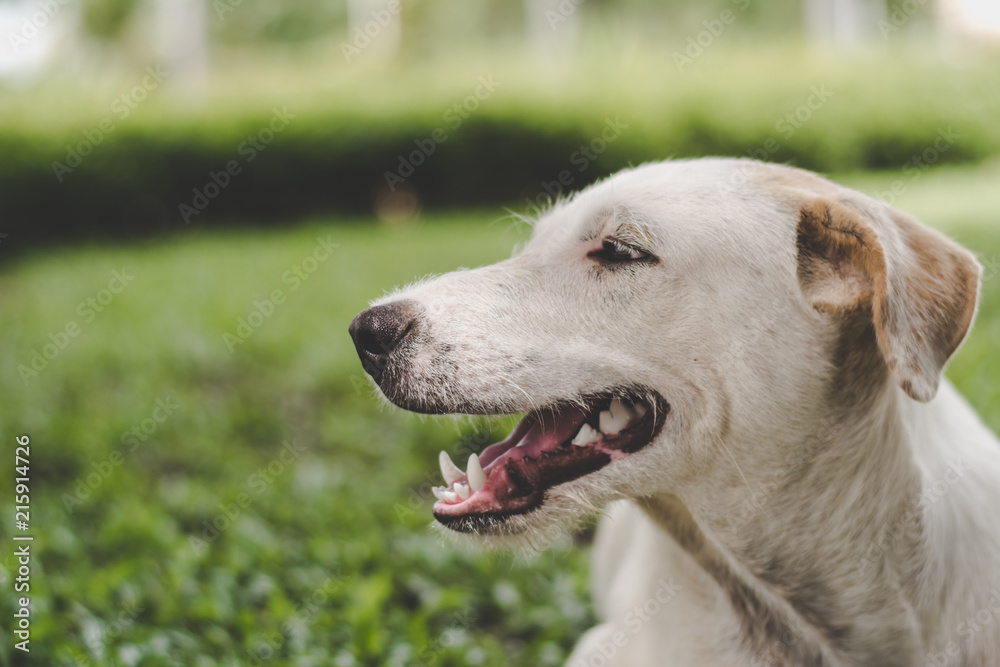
[[548, 447]]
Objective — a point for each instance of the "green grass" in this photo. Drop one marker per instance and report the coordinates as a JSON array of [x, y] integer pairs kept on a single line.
[[349, 514], [330, 559]]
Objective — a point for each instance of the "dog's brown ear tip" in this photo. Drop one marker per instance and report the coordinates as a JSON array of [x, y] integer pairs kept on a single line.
[[922, 389]]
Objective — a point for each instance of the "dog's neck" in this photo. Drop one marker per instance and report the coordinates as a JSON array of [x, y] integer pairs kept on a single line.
[[811, 554]]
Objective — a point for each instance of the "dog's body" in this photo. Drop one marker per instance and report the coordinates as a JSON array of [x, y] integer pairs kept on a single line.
[[799, 489]]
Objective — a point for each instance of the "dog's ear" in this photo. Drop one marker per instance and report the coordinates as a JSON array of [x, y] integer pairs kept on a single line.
[[919, 286]]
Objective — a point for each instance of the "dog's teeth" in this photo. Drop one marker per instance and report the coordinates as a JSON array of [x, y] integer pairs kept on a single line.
[[619, 411], [438, 491], [450, 471], [640, 409], [614, 419], [604, 422], [586, 436], [462, 490], [477, 478], [450, 497]]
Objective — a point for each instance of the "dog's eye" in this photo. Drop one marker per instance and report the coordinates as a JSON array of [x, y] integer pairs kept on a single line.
[[615, 252]]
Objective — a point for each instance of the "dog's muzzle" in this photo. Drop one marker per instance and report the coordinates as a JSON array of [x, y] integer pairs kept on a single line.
[[551, 445]]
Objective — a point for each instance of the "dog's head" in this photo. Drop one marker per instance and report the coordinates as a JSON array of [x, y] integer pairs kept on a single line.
[[659, 315]]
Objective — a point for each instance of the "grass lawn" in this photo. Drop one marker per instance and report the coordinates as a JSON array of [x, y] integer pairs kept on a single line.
[[203, 497]]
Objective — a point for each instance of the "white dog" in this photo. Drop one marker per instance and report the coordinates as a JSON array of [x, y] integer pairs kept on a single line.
[[750, 356]]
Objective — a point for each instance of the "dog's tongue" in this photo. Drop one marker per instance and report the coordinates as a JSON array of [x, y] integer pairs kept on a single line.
[[548, 447], [537, 432]]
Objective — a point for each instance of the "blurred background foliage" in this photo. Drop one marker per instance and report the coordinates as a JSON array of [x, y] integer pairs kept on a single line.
[[115, 114], [94, 145]]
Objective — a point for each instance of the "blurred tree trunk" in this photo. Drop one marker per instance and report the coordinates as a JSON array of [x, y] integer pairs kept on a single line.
[[552, 25], [843, 23], [374, 27], [181, 41]]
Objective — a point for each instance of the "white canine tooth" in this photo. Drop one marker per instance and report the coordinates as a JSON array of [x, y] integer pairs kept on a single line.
[[640, 409], [477, 478], [450, 471], [605, 422], [614, 419], [450, 496], [586, 436], [462, 490], [438, 491]]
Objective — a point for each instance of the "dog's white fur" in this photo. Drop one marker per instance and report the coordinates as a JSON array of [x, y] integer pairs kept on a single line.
[[814, 497]]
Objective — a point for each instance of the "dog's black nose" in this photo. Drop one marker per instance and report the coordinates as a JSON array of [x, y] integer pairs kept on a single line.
[[377, 331]]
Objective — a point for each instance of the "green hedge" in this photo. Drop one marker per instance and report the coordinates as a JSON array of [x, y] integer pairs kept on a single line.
[[512, 149]]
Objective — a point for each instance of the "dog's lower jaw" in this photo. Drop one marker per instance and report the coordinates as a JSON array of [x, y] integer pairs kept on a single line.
[[553, 523]]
